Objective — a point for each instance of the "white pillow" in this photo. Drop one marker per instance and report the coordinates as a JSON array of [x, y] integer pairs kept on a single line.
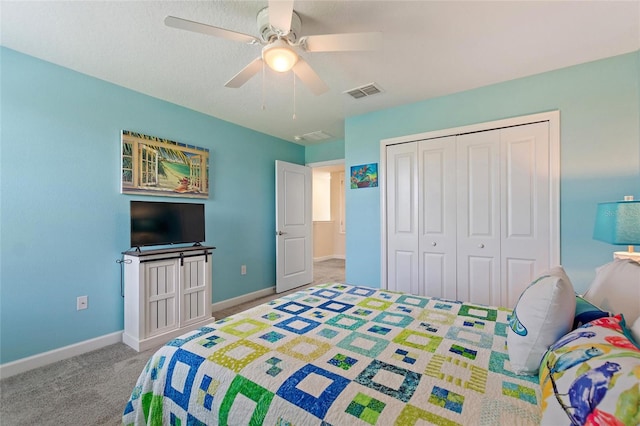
[[616, 288], [543, 314], [635, 331]]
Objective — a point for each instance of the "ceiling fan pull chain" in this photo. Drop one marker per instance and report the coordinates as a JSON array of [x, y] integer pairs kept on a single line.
[[294, 96], [263, 108]]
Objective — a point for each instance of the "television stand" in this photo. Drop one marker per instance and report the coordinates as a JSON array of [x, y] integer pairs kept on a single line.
[[167, 292]]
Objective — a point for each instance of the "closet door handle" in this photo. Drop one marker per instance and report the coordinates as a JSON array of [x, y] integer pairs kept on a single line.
[[481, 245], [434, 244]]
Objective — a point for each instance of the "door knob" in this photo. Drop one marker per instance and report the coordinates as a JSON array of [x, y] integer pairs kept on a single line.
[[280, 233], [481, 245], [434, 244]]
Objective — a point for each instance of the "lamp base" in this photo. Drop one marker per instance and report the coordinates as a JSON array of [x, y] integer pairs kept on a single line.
[[627, 255]]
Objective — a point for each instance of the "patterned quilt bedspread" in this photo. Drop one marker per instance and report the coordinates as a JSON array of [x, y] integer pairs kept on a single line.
[[340, 355]]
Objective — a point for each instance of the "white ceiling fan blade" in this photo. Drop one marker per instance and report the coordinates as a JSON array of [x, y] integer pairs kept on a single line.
[[197, 27], [309, 77], [280, 12], [341, 42], [245, 74]]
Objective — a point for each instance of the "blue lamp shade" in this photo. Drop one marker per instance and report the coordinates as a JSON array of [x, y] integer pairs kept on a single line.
[[618, 223]]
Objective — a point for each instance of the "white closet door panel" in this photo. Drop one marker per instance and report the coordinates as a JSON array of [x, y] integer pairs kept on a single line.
[[525, 245], [479, 283], [404, 189], [434, 169], [478, 177], [402, 217], [437, 212], [402, 276], [436, 278], [520, 188], [478, 217], [517, 273]]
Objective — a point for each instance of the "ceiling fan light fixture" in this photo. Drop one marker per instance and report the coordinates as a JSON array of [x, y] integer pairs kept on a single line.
[[279, 56]]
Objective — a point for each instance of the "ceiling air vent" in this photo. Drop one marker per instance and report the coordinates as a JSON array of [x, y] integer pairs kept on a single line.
[[314, 136], [364, 91]]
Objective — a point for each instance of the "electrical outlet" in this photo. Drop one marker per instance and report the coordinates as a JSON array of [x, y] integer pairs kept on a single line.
[[82, 302], [243, 270]]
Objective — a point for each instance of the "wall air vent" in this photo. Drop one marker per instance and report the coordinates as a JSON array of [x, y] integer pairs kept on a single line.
[[364, 91]]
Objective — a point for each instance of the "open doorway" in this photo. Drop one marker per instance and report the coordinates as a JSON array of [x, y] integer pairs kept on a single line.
[[329, 230]]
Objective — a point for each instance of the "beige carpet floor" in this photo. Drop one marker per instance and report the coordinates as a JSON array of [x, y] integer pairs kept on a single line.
[[93, 388]]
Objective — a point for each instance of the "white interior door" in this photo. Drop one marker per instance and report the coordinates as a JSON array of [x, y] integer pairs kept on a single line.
[[294, 226]]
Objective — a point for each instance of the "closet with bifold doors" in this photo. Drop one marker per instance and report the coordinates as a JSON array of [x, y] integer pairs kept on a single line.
[[472, 215]]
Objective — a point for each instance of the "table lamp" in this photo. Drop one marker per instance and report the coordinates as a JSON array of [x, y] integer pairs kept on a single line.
[[618, 223]]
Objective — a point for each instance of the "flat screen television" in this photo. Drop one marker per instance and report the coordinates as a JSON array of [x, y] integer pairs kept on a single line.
[[161, 223]]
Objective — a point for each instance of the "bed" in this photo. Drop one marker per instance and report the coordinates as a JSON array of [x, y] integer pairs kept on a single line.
[[337, 354]]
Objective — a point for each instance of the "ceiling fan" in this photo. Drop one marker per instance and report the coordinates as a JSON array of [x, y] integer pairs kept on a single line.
[[279, 27]]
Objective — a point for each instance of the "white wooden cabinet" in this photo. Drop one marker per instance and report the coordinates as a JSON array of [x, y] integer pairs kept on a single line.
[[469, 216], [166, 293]]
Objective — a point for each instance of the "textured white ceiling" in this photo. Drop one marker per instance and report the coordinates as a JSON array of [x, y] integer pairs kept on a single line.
[[430, 49]]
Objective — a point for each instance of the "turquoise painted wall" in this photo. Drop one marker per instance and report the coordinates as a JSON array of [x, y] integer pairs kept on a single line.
[[64, 222], [599, 105], [324, 152]]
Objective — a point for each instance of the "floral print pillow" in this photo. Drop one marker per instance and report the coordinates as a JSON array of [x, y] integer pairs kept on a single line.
[[591, 376]]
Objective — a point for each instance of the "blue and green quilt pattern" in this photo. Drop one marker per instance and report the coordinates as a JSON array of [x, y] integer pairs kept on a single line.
[[337, 354]]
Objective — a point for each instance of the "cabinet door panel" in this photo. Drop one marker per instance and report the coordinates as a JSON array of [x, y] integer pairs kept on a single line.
[[194, 290], [161, 282]]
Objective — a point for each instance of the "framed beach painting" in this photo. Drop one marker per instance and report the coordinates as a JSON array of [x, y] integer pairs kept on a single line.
[[155, 166], [364, 176]]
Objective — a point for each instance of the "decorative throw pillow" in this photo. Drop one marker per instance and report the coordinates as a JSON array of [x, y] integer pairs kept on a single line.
[[616, 288], [542, 315], [586, 312], [591, 376]]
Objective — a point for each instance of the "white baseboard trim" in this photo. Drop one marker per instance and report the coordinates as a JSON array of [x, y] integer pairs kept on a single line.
[[161, 339], [331, 256], [39, 360], [321, 258], [29, 363], [229, 303]]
